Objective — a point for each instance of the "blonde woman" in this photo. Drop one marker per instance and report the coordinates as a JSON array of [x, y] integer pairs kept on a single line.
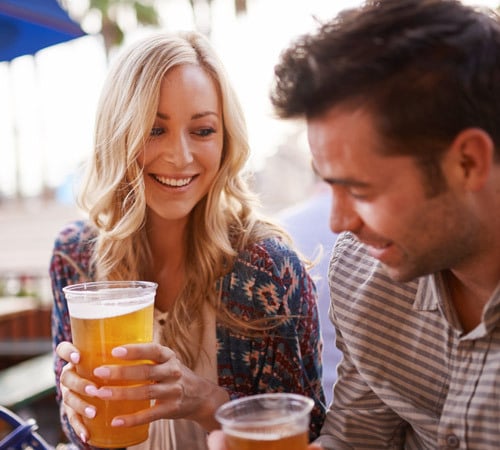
[[235, 310]]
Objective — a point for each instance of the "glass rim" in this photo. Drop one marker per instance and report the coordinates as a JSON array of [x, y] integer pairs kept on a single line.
[[223, 416], [88, 287]]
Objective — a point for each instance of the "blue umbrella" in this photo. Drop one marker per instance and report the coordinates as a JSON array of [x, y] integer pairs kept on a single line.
[[27, 26]]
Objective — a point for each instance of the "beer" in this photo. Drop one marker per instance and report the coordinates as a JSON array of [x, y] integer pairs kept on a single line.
[[290, 440], [273, 421], [98, 325]]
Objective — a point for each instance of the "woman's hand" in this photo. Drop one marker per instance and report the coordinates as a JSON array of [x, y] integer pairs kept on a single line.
[[72, 388], [215, 441], [178, 392]]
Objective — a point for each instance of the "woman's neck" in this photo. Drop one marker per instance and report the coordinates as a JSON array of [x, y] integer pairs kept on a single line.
[[167, 243]]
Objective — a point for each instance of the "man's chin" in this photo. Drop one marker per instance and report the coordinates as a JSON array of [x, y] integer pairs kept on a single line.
[[400, 275]]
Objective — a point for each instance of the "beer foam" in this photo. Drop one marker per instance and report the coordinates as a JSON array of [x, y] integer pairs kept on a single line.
[[272, 434], [256, 436], [103, 309]]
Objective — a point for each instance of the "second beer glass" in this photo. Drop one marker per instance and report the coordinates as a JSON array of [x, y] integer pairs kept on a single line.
[[277, 421]]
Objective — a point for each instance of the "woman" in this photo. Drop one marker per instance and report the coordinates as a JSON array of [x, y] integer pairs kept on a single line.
[[235, 310]]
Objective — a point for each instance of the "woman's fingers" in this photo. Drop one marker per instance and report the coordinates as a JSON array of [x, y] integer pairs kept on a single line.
[[73, 389], [75, 420], [158, 410], [153, 362], [215, 440], [150, 352], [76, 405], [72, 381], [67, 351]]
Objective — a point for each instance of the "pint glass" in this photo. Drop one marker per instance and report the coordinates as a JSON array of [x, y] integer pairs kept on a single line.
[[105, 315], [266, 422]]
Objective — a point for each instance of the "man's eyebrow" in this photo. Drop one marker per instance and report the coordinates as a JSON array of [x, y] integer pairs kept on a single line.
[[340, 181]]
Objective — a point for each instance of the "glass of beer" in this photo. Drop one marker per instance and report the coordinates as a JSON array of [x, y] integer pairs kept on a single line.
[[105, 315], [266, 422]]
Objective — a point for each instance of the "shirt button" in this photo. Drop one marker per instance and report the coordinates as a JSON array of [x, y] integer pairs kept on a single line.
[[452, 441]]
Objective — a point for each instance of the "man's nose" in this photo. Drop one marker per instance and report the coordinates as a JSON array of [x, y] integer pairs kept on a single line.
[[343, 215]]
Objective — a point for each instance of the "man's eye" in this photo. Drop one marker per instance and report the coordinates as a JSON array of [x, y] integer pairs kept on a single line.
[[359, 196], [205, 132], [156, 131]]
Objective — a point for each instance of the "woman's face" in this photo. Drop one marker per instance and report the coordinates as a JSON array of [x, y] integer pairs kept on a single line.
[[183, 153]]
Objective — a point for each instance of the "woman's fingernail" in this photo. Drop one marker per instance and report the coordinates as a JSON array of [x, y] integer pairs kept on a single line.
[[119, 352], [117, 423], [90, 412], [104, 393], [102, 372], [91, 390], [74, 357], [83, 438]]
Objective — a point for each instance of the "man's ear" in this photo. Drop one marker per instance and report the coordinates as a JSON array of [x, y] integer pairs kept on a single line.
[[473, 154]]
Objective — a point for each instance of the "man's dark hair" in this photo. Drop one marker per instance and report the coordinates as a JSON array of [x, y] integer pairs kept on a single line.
[[426, 69]]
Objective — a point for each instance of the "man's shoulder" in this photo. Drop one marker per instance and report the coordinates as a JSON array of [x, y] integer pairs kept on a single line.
[[348, 248]]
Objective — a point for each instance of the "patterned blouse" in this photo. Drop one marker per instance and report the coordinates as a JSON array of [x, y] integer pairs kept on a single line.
[[268, 279]]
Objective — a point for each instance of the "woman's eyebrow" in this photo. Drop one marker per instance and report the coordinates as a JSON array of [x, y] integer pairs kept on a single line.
[[194, 116]]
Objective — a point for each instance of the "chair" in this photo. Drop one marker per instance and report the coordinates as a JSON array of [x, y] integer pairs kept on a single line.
[[19, 434]]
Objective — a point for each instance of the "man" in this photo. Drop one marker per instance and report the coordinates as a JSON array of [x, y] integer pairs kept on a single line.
[[402, 102]]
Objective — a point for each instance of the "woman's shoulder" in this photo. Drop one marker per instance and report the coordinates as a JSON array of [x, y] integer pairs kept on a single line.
[[271, 257], [269, 251], [72, 253], [77, 234]]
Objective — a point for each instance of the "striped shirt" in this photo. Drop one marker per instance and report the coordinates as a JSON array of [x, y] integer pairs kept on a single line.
[[410, 378]]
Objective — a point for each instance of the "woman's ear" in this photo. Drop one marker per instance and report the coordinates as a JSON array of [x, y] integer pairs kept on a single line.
[[473, 154]]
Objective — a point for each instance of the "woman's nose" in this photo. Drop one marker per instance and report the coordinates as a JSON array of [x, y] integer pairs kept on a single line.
[[177, 151], [343, 215]]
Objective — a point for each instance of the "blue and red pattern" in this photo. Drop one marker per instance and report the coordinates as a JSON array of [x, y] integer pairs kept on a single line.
[[268, 280]]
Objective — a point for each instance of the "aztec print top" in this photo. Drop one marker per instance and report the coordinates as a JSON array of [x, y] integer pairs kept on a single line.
[[268, 279]]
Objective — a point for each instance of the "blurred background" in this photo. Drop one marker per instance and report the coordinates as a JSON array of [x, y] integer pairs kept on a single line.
[[48, 99]]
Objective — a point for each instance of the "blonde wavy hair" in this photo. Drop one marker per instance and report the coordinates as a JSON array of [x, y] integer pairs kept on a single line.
[[113, 194]]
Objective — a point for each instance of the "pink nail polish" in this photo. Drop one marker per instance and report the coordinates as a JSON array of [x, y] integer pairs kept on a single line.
[[90, 412], [104, 393], [119, 352], [102, 372], [74, 357], [91, 390], [117, 423]]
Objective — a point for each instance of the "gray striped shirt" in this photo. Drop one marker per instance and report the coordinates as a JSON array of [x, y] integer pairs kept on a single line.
[[410, 378]]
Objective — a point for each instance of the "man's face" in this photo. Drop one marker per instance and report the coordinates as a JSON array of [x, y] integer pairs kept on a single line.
[[383, 200]]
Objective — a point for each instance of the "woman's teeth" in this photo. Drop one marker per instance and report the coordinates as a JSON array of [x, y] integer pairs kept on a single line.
[[174, 182]]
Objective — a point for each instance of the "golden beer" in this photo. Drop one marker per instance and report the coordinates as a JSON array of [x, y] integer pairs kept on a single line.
[[98, 324], [274, 421], [288, 440]]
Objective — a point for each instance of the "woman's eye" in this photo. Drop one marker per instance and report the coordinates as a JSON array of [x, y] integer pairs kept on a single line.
[[156, 131], [204, 132]]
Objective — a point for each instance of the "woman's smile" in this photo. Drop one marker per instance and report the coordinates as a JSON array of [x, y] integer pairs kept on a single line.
[[174, 182]]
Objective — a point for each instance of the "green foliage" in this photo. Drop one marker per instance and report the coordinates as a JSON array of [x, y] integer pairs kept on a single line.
[[146, 14], [144, 10]]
